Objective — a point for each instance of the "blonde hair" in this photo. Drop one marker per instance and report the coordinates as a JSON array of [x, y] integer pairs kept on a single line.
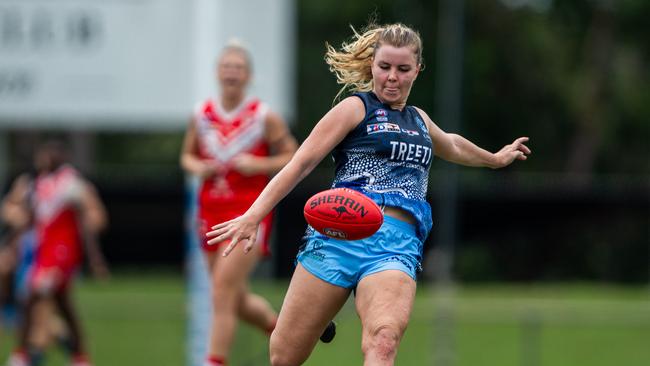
[[236, 46], [352, 64]]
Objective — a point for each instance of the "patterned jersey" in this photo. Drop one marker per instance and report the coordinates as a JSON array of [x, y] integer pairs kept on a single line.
[[55, 198], [223, 135], [387, 157]]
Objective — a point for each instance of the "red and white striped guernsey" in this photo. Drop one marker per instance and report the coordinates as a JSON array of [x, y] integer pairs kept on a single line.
[[56, 198], [222, 136]]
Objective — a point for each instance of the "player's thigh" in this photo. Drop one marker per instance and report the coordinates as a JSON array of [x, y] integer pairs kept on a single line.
[[309, 305], [236, 267], [385, 299]]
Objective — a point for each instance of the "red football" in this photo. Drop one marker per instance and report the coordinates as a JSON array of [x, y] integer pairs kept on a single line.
[[343, 213]]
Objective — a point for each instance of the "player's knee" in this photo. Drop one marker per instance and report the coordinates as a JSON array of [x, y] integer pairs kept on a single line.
[[224, 292], [283, 355], [223, 301], [382, 341], [43, 286]]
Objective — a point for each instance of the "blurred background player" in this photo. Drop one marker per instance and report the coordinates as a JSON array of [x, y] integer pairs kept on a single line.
[[233, 143], [66, 214], [17, 254]]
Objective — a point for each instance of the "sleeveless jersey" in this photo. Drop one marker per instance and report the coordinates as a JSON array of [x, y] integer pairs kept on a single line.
[[55, 199], [387, 157], [223, 135]]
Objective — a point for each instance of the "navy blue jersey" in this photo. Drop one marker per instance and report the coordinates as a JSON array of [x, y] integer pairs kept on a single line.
[[387, 157]]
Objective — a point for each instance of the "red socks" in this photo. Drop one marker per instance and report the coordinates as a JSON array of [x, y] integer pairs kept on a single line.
[[80, 359], [215, 361]]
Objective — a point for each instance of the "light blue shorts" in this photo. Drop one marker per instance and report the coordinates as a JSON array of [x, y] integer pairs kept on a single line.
[[345, 262]]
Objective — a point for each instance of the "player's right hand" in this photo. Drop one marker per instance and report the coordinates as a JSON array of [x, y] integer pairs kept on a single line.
[[238, 229]]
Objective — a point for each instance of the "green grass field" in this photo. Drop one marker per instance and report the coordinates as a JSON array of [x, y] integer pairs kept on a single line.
[[140, 320]]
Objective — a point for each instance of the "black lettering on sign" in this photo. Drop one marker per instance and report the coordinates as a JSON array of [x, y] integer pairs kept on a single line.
[[49, 28], [15, 83]]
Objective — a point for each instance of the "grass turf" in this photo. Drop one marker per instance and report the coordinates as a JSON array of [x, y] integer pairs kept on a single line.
[[140, 320]]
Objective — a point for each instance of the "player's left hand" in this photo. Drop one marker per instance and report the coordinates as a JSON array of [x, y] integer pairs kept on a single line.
[[248, 164], [515, 151], [238, 229]]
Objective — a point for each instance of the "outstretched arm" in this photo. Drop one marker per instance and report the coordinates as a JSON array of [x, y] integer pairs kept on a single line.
[[327, 133], [459, 150]]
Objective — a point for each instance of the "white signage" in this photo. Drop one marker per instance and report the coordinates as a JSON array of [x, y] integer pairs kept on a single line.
[[116, 64]]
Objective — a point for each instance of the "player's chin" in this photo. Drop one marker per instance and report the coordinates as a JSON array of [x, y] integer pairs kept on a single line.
[[392, 97]]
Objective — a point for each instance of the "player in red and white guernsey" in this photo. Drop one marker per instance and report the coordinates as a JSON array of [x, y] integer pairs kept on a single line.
[[234, 143], [67, 215]]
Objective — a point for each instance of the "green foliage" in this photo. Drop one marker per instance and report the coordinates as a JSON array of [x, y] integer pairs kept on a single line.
[[136, 158], [574, 78]]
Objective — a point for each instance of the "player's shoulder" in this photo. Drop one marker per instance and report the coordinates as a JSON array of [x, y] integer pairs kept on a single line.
[[349, 111], [203, 105], [353, 104], [420, 111], [423, 114]]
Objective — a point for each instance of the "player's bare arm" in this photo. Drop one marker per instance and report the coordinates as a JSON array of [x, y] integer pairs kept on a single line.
[[14, 208], [94, 220], [457, 149], [190, 160]]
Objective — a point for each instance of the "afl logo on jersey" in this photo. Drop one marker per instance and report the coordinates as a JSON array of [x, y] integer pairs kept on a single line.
[[381, 115]]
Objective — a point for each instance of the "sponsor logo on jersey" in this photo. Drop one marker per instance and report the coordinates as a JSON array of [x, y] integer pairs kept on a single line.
[[383, 127], [381, 113], [410, 132], [402, 151], [315, 250], [318, 244]]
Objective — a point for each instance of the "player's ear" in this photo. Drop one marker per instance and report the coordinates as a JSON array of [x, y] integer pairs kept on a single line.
[[418, 68]]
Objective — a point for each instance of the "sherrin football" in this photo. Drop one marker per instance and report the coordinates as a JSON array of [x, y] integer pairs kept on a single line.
[[343, 213]]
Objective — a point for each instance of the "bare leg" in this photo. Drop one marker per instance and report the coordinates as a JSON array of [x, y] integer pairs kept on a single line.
[[256, 310], [309, 305], [40, 334], [384, 301], [229, 282], [27, 319], [68, 313]]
